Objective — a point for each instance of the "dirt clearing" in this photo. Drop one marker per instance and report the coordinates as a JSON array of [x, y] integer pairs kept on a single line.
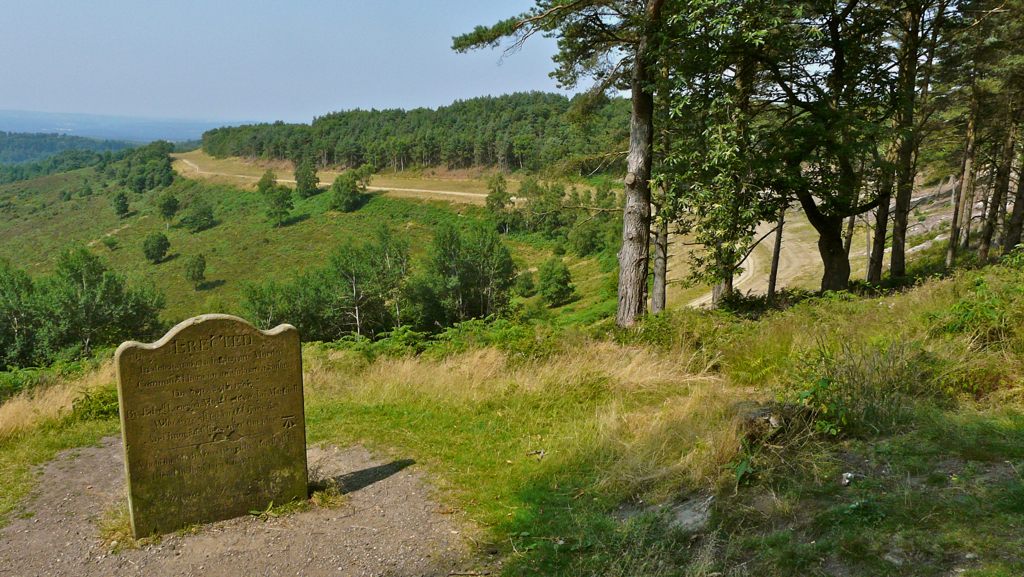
[[388, 526]]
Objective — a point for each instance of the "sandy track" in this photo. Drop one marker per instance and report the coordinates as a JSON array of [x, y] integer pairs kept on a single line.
[[799, 262], [194, 169]]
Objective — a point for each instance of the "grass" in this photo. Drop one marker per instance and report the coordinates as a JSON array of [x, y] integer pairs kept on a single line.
[[536, 449]]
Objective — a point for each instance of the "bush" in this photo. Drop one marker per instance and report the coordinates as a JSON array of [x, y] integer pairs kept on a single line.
[[524, 286], [195, 270], [110, 242], [121, 204], [155, 247], [555, 283], [81, 306], [345, 195], [863, 389], [199, 216]]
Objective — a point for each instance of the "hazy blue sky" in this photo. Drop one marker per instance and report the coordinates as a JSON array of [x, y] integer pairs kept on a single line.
[[266, 60]]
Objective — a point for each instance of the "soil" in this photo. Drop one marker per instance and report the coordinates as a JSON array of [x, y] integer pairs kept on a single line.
[[388, 525]]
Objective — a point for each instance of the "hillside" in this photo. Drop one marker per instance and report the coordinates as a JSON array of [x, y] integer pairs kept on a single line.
[[41, 216], [22, 148], [664, 444]]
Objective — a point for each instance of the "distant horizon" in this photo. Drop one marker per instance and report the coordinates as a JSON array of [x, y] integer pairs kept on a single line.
[[275, 60], [109, 132]]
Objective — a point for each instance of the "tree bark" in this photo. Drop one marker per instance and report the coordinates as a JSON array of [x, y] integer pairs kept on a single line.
[[876, 261], [837, 263], [960, 192], [658, 291], [1015, 224], [967, 214], [1000, 190], [776, 253], [848, 241], [907, 80], [836, 276], [720, 291], [636, 216]]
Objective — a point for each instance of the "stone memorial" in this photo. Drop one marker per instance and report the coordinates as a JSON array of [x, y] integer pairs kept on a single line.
[[213, 422]]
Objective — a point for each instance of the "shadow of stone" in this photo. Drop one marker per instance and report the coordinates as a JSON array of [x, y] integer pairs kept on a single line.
[[356, 480]]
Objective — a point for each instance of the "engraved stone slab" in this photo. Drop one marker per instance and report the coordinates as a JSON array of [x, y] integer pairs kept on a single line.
[[213, 422]]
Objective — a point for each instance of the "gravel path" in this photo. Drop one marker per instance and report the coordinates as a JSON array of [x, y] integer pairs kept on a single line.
[[389, 526]]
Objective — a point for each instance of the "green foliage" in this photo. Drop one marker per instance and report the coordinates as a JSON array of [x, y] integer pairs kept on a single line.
[[524, 285], [306, 181], [97, 404], [865, 390], [278, 201], [25, 148], [267, 182], [359, 292], [199, 215], [991, 313], [65, 316], [530, 131], [345, 194], [168, 206], [155, 246], [144, 168], [111, 242], [554, 283], [467, 275], [15, 380], [195, 270], [367, 290], [120, 203]]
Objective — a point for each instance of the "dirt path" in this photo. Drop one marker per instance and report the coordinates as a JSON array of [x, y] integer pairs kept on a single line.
[[799, 262], [418, 192], [388, 526]]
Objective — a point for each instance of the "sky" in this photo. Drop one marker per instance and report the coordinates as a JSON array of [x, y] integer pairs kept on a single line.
[[256, 61]]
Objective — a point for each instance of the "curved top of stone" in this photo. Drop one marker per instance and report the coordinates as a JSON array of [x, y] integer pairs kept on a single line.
[[196, 322]]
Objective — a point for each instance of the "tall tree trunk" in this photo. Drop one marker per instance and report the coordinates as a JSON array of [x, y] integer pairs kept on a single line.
[[960, 192], [836, 276], [1015, 224], [1000, 190], [773, 278], [837, 263], [636, 216], [848, 241], [907, 82], [877, 258], [967, 214], [659, 290]]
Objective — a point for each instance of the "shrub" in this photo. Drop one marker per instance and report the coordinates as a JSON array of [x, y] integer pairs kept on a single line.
[[345, 195], [155, 247], [555, 283], [864, 389], [524, 286], [199, 216], [195, 270]]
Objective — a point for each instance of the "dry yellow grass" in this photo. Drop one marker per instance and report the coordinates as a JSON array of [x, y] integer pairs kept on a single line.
[[662, 418], [27, 410]]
